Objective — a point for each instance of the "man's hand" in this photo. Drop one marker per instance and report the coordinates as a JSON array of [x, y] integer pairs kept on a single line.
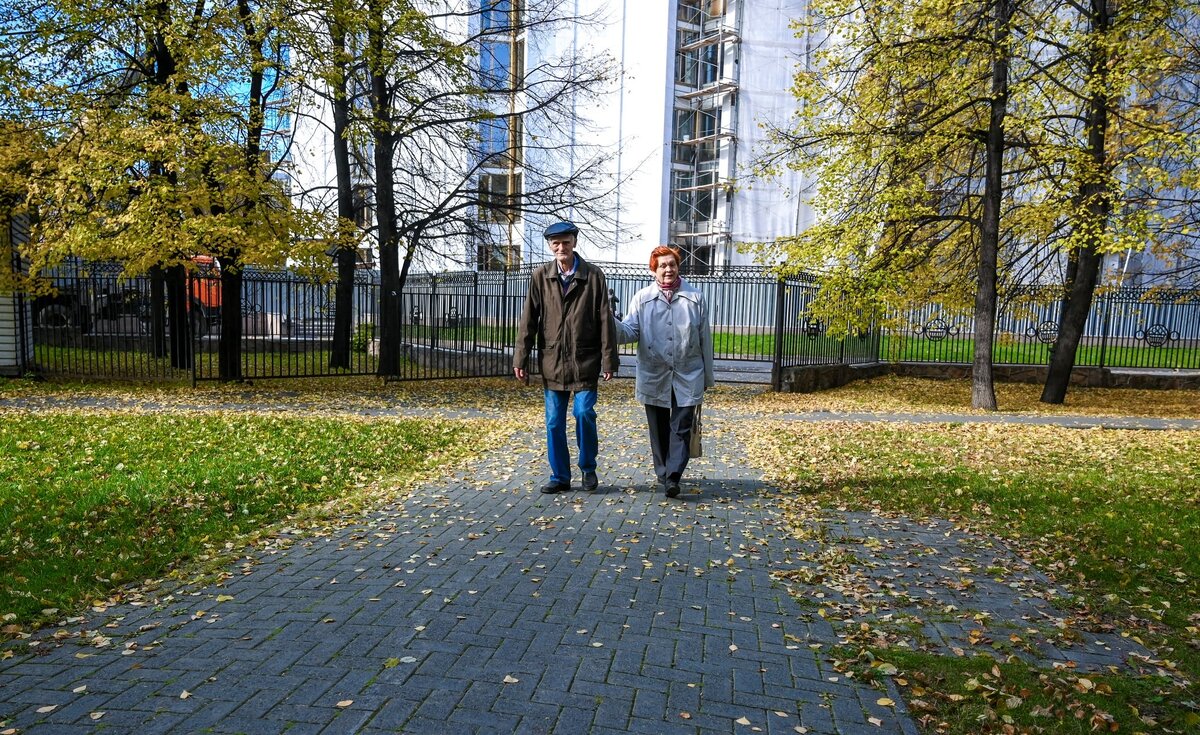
[[607, 376], [523, 375]]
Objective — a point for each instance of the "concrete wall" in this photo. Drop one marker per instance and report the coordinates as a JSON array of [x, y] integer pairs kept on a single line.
[[814, 378], [11, 316], [16, 327]]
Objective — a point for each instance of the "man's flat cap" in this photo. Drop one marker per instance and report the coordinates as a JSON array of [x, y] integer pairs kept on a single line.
[[560, 228]]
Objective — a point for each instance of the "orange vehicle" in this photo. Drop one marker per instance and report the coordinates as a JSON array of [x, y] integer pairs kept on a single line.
[[204, 294]]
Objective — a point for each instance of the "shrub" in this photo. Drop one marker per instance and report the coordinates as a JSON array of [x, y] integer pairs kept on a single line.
[[363, 335]]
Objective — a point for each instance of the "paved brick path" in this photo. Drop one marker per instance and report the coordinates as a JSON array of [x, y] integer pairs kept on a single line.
[[479, 605]]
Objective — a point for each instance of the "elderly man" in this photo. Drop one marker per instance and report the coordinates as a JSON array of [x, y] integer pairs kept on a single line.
[[568, 314]]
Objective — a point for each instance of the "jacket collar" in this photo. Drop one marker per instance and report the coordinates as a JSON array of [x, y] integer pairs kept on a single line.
[[582, 268], [685, 290]]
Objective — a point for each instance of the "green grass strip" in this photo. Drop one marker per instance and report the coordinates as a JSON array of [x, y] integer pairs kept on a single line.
[[89, 502]]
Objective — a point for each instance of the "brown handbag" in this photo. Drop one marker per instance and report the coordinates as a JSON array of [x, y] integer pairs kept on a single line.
[[695, 448]]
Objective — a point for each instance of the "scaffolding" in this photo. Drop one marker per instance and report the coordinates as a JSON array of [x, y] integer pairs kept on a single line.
[[706, 56]]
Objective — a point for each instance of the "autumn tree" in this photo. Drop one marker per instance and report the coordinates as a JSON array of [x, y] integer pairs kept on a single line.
[[904, 126], [444, 100], [156, 116], [960, 148], [328, 81], [1123, 83]]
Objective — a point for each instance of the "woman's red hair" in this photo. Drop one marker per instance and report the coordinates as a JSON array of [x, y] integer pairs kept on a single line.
[[662, 250]]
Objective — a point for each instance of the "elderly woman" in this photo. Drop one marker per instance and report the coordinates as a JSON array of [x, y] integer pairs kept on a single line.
[[669, 321]]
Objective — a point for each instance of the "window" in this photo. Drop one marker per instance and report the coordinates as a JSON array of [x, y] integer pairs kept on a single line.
[[496, 14], [688, 11], [685, 124], [686, 62], [518, 64], [516, 142], [698, 11], [495, 65], [697, 259], [708, 125], [498, 193], [494, 141], [709, 64], [364, 213], [681, 201], [683, 154], [704, 205], [708, 122], [493, 257]]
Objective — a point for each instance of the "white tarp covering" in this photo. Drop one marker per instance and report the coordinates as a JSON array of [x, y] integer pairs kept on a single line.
[[769, 55]]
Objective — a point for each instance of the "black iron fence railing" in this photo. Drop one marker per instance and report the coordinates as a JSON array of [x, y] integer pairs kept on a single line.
[[287, 325], [98, 324], [1127, 328]]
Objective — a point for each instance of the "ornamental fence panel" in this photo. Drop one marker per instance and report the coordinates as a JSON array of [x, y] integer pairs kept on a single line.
[[96, 323], [287, 324], [1131, 328]]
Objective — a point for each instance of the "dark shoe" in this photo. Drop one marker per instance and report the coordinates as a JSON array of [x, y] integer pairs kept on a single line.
[[672, 488], [555, 487], [590, 481]]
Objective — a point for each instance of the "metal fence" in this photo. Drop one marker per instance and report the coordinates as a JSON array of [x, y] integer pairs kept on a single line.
[[98, 324], [1133, 328], [287, 325]]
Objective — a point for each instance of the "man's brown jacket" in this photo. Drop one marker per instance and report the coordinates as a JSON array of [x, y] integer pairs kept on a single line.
[[573, 331]]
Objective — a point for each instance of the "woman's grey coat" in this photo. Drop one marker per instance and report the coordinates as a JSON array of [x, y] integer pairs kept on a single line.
[[675, 350]]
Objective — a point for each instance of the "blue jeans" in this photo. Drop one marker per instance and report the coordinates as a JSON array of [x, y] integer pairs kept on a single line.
[[584, 409]]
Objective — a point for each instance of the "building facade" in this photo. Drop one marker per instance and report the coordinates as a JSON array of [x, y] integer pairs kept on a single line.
[[698, 79], [691, 81], [694, 84]]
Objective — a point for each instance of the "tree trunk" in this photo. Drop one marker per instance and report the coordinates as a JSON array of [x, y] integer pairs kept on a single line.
[[983, 390], [343, 299], [385, 204], [229, 348], [158, 313], [1070, 327], [1095, 206], [343, 304], [181, 337]]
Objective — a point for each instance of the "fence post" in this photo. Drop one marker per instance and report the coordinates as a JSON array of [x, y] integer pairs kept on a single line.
[[503, 325], [1104, 329], [190, 337], [474, 317], [431, 319], [777, 365]]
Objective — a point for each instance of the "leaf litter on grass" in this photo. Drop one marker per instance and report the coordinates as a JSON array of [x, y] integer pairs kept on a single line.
[[898, 582]]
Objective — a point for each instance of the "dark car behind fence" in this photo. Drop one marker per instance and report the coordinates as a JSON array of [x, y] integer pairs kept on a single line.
[[98, 324]]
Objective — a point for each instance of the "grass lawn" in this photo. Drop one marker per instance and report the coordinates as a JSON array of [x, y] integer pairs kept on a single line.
[[1113, 515], [90, 501]]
